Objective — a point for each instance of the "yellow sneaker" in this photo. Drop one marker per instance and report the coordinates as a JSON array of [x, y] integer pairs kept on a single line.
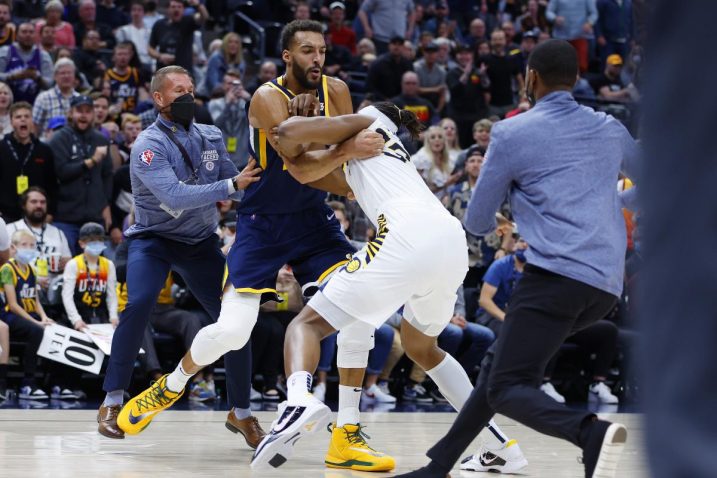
[[138, 413], [348, 450]]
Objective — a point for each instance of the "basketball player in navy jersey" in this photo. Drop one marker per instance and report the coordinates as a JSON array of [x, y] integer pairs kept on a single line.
[[282, 221]]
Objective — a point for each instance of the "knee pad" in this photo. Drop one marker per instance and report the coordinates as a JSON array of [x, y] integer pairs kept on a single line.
[[354, 343], [232, 329]]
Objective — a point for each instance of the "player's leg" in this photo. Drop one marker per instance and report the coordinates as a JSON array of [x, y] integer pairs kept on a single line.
[[147, 268], [204, 273], [302, 413]]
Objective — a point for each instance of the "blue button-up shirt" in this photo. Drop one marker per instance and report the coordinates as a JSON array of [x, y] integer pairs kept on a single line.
[[559, 163], [576, 13], [171, 199]]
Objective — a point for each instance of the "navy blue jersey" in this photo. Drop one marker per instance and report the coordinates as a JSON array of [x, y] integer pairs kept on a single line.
[[277, 192]]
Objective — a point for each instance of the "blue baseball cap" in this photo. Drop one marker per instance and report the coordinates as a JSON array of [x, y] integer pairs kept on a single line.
[[56, 122]]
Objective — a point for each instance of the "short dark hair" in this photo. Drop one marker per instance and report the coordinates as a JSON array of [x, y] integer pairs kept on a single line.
[[556, 61], [26, 194], [233, 72], [292, 28], [20, 105]]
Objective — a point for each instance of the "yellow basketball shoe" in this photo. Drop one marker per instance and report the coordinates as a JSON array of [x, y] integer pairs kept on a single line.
[[348, 450], [138, 413]]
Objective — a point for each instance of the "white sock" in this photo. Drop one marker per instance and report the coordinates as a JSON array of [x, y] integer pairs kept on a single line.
[[454, 384], [452, 381], [298, 386], [349, 398], [177, 380]]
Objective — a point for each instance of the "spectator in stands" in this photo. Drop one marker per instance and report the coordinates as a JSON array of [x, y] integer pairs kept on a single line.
[[7, 28], [481, 133], [503, 69], [527, 44], [614, 28], [573, 20], [601, 340], [434, 163], [229, 115], [267, 72], [533, 18], [89, 292], [24, 66], [302, 11], [339, 32], [131, 127], [610, 86], [24, 162], [6, 100], [498, 284], [445, 47], [151, 15], [385, 75], [137, 31], [84, 171], [410, 100], [451, 132], [110, 14], [476, 33], [464, 339], [510, 37], [458, 198], [23, 312], [431, 77], [87, 20], [388, 19], [47, 39], [101, 107], [228, 57], [337, 59], [469, 88], [170, 42], [51, 243], [4, 242], [64, 33], [126, 86], [90, 60]]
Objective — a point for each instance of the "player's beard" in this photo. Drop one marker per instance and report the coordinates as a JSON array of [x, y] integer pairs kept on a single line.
[[302, 76]]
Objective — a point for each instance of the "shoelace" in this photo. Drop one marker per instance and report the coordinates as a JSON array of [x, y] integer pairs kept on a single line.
[[358, 437], [155, 397]]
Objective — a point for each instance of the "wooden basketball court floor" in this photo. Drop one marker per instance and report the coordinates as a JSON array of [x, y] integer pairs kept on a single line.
[[64, 443]]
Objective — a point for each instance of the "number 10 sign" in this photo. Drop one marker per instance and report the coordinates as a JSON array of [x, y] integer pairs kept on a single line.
[[72, 348]]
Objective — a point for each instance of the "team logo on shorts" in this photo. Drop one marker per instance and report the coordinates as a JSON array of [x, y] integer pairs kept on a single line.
[[353, 265], [209, 165], [146, 157]]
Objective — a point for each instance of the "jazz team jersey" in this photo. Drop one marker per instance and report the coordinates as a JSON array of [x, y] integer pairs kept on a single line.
[[124, 88], [24, 283], [277, 192], [379, 181]]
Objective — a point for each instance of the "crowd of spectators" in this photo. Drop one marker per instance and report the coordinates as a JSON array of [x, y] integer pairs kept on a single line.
[[74, 95]]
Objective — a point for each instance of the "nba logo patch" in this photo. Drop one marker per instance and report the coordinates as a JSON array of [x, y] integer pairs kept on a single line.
[[146, 157]]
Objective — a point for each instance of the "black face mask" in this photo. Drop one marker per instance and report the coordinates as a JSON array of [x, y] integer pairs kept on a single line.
[[182, 110]]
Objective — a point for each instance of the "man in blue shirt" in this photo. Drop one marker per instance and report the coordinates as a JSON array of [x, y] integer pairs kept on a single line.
[[499, 282], [558, 162], [179, 170]]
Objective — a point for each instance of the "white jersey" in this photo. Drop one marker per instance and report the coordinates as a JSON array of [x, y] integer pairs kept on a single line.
[[379, 181]]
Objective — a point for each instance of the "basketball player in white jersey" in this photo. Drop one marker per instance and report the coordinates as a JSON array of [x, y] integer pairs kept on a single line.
[[417, 261]]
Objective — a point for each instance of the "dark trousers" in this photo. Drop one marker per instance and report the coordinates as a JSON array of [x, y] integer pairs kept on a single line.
[[32, 334], [201, 266], [545, 310], [267, 342], [600, 339]]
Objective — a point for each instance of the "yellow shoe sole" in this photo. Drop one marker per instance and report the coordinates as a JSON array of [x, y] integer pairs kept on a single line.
[[357, 465]]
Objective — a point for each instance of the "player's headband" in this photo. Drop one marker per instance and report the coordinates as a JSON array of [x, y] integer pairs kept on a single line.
[[373, 112]]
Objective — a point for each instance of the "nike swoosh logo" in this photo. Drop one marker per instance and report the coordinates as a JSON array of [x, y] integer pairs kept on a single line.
[[330, 217], [357, 390], [367, 452], [135, 420]]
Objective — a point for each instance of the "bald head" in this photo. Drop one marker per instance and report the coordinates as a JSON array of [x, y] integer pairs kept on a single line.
[[409, 84]]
